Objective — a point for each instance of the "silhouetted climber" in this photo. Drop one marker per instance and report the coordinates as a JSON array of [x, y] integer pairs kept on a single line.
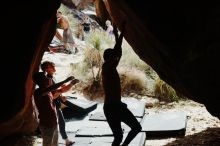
[[115, 110]]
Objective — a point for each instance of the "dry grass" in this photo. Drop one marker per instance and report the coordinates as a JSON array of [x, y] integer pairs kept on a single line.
[[93, 57], [134, 60], [165, 92], [93, 90], [80, 70], [99, 40], [94, 60], [132, 80]]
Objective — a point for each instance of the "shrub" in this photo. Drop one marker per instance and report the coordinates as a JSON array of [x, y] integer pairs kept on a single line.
[[81, 71], [132, 81], [165, 92], [98, 40], [93, 90]]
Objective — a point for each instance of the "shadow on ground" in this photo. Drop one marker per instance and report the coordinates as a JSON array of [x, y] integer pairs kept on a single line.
[[209, 137]]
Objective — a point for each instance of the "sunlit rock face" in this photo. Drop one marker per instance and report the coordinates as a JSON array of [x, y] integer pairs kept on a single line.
[[180, 41]]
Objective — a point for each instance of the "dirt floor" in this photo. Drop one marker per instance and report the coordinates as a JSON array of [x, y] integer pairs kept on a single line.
[[208, 137]]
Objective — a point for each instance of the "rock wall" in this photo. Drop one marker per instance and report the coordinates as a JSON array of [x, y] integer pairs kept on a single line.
[[24, 44], [179, 40]]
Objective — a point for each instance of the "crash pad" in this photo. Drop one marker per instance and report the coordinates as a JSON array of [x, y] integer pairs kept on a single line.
[[164, 124], [75, 107], [136, 106]]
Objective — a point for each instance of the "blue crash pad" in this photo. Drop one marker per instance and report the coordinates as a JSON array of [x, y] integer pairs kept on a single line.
[[94, 129], [164, 124], [136, 106], [78, 107]]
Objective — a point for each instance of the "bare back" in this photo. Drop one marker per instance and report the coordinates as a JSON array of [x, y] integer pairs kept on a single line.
[[111, 84], [63, 22], [110, 77]]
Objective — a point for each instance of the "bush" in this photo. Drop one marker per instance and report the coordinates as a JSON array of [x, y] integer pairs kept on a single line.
[[165, 92], [98, 40], [93, 90], [132, 81]]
